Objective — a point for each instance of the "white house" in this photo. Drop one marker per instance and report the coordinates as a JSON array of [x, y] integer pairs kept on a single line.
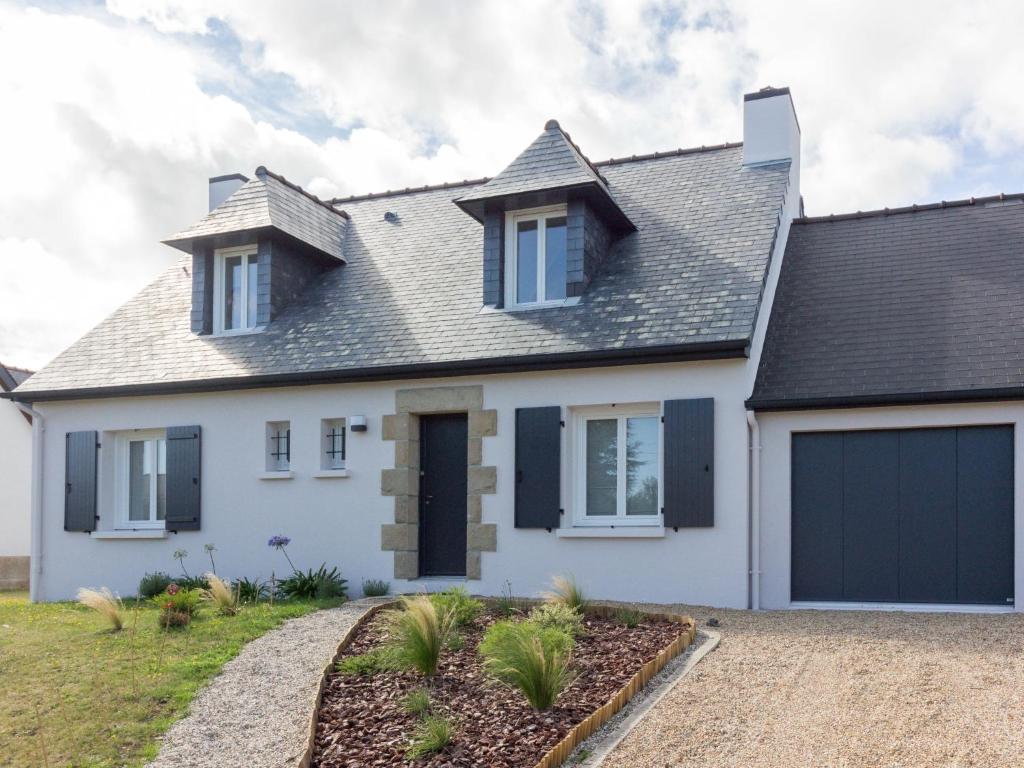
[[556, 370], [15, 481]]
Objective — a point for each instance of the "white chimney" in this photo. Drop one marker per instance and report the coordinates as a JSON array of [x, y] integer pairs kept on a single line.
[[770, 129], [223, 187]]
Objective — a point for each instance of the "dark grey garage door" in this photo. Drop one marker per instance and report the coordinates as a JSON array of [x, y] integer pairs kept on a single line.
[[915, 515]]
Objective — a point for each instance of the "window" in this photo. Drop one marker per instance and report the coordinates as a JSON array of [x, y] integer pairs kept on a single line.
[[618, 466], [332, 452], [535, 256], [142, 471], [279, 446], [235, 286]]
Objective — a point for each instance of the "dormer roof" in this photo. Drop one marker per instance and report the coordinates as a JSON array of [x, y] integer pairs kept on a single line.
[[552, 165], [269, 203]]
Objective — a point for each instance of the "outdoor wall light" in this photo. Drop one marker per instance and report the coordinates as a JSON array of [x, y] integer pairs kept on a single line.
[[357, 423]]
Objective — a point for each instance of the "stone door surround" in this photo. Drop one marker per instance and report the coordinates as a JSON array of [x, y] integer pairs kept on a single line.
[[403, 427]]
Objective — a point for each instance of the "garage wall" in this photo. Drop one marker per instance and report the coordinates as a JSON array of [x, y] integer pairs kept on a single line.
[[776, 472]]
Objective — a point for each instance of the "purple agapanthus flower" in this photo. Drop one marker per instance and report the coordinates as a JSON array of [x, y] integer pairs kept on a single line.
[[279, 541]]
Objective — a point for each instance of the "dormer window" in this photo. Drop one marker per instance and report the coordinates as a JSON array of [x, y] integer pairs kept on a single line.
[[535, 256], [235, 285]]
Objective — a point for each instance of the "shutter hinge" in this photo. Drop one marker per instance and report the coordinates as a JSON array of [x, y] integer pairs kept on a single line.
[[561, 511], [662, 419], [561, 423]]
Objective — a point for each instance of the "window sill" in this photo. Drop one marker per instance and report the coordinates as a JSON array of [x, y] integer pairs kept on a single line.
[[572, 301], [608, 532], [323, 474], [277, 475], [154, 533]]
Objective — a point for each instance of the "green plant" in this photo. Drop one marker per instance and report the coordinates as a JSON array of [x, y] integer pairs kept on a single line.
[[251, 590], [180, 555], [193, 582], [564, 590], [417, 702], [370, 663], [455, 641], [221, 595], [152, 584], [433, 734], [529, 657], [210, 549], [177, 606], [320, 584], [457, 603], [506, 605], [418, 633], [376, 588], [558, 616], [629, 617], [105, 604]]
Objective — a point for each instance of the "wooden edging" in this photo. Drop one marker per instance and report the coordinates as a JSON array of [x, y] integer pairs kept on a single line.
[[346, 641], [582, 731]]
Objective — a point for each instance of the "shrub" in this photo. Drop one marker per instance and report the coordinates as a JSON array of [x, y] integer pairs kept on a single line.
[[416, 702], [433, 734], [370, 663], [558, 616], [529, 657], [629, 617], [418, 633], [177, 606], [457, 603], [221, 595], [152, 584], [251, 590], [565, 591], [105, 604], [190, 583], [318, 584], [376, 588]]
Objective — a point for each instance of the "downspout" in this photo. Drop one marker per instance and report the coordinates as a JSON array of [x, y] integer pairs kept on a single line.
[[754, 527], [36, 551]]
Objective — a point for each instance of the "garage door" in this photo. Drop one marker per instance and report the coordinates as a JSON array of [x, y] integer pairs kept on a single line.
[[917, 515]]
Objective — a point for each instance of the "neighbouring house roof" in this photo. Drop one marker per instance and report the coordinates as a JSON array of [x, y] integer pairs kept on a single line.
[[551, 162], [408, 302], [11, 377], [270, 202], [909, 305]]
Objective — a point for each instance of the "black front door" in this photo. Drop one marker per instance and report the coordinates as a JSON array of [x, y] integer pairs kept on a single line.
[[443, 488]]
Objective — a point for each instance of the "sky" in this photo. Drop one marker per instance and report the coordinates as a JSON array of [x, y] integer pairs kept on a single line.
[[114, 115]]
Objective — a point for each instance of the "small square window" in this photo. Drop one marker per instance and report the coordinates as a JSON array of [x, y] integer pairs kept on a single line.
[[332, 444], [279, 446]]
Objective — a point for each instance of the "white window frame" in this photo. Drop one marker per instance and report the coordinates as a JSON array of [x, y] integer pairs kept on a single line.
[[122, 477], [274, 464], [512, 219], [619, 412], [249, 252], [327, 462]]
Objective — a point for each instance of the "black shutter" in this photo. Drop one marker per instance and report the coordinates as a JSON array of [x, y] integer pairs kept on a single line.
[[183, 486], [690, 463], [80, 481], [538, 467]]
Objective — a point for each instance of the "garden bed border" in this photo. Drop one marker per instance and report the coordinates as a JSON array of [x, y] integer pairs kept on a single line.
[[581, 731]]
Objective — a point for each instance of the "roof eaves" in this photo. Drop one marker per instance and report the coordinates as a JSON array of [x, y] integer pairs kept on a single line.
[[916, 208], [937, 397]]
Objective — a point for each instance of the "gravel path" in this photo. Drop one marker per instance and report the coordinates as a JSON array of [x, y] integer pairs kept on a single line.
[[842, 689], [256, 712]]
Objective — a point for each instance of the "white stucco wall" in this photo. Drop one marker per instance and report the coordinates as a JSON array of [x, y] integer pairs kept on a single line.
[[339, 520], [15, 480], [776, 433]]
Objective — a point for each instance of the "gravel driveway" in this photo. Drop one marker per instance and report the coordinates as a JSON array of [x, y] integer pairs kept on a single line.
[[838, 688]]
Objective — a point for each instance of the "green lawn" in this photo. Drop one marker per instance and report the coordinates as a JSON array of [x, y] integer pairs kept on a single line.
[[72, 693]]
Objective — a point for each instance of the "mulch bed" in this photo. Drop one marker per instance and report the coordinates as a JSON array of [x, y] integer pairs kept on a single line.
[[362, 723]]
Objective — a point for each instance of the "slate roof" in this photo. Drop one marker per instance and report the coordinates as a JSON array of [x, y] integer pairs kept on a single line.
[[271, 202], [923, 304], [551, 162], [11, 377], [409, 299]]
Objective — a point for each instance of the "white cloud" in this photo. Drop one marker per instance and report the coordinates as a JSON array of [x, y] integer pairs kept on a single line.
[[114, 119]]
